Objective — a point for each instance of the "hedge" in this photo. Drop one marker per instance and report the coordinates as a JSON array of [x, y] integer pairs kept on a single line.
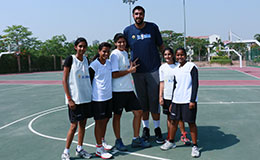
[[221, 60], [8, 63]]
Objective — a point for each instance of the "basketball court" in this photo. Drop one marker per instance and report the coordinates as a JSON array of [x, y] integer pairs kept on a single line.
[[34, 120]]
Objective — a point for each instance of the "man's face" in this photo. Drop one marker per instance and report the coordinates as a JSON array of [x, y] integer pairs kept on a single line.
[[138, 16]]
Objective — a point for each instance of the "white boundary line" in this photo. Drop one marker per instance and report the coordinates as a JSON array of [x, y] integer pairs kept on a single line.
[[90, 145], [251, 88], [32, 115], [231, 102]]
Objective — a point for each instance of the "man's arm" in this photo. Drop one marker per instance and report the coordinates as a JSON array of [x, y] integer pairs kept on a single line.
[[161, 47]]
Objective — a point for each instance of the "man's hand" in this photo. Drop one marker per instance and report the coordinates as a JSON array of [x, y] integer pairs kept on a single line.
[[191, 105]]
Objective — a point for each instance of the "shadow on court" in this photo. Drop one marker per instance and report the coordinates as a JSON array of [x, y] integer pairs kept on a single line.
[[212, 138]]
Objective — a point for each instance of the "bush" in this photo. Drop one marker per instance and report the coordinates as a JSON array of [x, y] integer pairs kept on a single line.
[[221, 60], [8, 63]]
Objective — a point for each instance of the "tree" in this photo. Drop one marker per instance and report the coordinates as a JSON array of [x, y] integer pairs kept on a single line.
[[172, 39], [198, 46], [54, 47], [240, 48], [17, 36], [257, 37], [3, 45]]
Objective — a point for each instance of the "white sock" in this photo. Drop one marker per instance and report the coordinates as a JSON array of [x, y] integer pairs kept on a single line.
[[145, 123], [134, 138], [66, 150], [156, 123], [79, 148]]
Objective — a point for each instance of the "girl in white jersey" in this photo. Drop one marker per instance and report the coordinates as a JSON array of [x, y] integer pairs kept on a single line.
[[100, 68], [166, 72], [184, 102], [123, 93], [77, 87]]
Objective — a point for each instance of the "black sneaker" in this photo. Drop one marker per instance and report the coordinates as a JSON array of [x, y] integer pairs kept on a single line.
[[146, 133], [139, 142], [158, 135]]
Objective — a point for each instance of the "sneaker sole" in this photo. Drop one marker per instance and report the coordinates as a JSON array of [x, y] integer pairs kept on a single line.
[[167, 148], [195, 156], [159, 142], [103, 157]]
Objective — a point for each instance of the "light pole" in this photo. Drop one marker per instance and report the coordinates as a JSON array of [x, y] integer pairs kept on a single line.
[[184, 17], [129, 2]]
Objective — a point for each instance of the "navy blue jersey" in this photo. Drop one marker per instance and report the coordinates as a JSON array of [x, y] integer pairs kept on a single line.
[[144, 45]]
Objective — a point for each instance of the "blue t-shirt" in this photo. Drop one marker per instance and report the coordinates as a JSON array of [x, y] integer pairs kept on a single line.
[[143, 44]]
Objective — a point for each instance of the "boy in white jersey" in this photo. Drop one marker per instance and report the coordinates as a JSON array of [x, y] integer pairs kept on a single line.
[[166, 72], [77, 87], [184, 102], [123, 93], [100, 68]]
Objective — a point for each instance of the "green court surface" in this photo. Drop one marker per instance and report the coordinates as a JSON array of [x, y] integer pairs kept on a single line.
[[34, 121]]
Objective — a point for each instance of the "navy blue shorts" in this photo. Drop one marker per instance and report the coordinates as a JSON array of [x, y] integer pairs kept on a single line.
[[127, 100], [102, 109], [81, 112], [182, 112], [166, 106]]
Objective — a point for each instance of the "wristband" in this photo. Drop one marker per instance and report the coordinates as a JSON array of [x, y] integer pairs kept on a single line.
[[69, 97]]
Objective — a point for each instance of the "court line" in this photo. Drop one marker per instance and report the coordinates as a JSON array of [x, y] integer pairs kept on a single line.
[[230, 102], [92, 124], [90, 145], [251, 88], [32, 115]]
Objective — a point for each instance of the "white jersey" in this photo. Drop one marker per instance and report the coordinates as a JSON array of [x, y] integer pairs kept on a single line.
[[120, 62], [182, 93], [102, 82], [166, 73], [79, 81]]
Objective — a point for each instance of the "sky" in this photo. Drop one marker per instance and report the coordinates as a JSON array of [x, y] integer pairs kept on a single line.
[[101, 19]]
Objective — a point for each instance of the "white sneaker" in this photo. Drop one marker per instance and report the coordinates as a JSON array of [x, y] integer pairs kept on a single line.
[[106, 146], [167, 145], [101, 152], [83, 154], [65, 156], [195, 152]]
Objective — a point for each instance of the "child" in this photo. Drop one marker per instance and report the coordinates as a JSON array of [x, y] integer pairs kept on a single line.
[[102, 96], [166, 72], [123, 93], [77, 87], [184, 102]]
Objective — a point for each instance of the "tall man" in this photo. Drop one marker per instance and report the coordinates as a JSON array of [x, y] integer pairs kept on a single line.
[[144, 38]]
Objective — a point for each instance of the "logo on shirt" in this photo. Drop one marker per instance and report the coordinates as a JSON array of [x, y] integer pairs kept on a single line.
[[83, 76], [143, 36], [133, 36], [168, 80]]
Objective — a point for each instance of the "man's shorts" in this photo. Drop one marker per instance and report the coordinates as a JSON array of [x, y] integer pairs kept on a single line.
[[147, 89], [81, 112], [127, 100], [102, 109], [182, 112], [166, 106]]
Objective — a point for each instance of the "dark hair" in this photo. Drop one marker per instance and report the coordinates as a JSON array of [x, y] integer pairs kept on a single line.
[[171, 51], [118, 36], [80, 39], [138, 8], [104, 44], [181, 48]]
